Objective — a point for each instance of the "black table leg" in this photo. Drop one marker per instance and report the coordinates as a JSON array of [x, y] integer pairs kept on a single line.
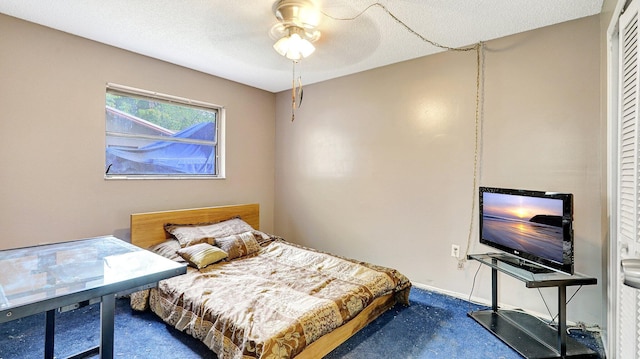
[[49, 330], [107, 313]]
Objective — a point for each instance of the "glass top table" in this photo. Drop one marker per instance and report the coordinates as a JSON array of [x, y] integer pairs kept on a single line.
[[47, 277], [549, 278]]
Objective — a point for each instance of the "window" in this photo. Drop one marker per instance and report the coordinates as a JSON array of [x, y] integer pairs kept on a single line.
[[151, 135]]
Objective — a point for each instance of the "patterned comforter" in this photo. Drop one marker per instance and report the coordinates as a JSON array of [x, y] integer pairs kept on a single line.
[[274, 303]]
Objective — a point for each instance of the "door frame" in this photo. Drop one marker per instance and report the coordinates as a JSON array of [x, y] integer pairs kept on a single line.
[[611, 336]]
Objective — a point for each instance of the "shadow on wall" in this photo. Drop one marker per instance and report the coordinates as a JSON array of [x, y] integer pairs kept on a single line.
[[123, 233]]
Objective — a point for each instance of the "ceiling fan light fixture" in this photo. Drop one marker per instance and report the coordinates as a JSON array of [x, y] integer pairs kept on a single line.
[[296, 28], [294, 46], [305, 47]]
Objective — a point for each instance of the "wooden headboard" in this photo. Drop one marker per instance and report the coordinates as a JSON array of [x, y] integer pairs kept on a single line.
[[147, 228]]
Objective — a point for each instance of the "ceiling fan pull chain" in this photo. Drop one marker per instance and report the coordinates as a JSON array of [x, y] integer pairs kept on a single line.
[[296, 92], [293, 91], [300, 92]]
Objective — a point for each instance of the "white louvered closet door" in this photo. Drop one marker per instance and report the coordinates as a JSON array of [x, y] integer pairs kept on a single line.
[[628, 226]]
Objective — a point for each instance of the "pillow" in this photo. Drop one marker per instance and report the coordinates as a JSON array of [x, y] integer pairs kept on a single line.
[[239, 245], [188, 234], [265, 238], [261, 237], [202, 254], [168, 249]]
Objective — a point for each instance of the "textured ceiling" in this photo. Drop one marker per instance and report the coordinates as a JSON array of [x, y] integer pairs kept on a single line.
[[230, 39]]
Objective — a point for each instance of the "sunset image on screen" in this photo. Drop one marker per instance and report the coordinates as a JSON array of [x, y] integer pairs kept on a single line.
[[528, 224]]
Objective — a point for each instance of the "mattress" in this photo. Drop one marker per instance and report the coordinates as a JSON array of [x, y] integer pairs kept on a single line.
[[272, 303]]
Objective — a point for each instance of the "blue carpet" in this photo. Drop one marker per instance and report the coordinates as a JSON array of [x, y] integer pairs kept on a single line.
[[433, 326]]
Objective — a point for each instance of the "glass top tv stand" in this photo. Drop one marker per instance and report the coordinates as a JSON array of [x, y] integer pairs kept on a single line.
[[67, 275], [526, 334]]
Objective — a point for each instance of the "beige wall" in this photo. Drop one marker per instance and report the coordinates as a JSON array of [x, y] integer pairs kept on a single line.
[[52, 89], [379, 165]]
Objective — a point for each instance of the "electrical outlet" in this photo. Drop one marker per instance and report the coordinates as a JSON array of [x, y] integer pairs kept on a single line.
[[455, 250]]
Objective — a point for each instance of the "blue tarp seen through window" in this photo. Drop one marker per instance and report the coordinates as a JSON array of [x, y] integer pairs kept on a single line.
[[166, 157]]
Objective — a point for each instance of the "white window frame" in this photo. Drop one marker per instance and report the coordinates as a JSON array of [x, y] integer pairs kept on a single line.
[[219, 123]]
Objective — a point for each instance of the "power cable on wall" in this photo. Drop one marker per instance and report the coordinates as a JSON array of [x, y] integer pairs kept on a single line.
[[479, 49]]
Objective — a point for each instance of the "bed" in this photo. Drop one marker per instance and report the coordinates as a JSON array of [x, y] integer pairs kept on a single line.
[[273, 300]]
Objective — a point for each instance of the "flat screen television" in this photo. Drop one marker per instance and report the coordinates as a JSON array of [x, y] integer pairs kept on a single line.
[[534, 226]]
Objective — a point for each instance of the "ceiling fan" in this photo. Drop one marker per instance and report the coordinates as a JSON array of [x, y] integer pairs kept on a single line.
[[296, 29]]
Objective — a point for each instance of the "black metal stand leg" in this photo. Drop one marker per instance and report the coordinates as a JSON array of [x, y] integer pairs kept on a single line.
[[49, 329], [526, 334], [107, 313], [494, 289], [562, 320]]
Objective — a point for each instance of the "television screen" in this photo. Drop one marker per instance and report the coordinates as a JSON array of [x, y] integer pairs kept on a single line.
[[533, 225]]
